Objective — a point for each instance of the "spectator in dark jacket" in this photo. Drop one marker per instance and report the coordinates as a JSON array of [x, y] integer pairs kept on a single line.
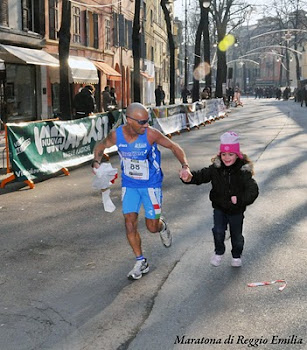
[[304, 95], [233, 188], [106, 98], [113, 95], [159, 96], [84, 102], [185, 93]]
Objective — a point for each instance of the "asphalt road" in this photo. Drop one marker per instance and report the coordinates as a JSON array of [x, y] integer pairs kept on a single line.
[[64, 260]]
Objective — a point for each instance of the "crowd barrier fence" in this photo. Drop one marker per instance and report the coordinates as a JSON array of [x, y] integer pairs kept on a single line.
[[42, 148]]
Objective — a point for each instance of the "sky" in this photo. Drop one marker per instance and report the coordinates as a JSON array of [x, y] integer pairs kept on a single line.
[[179, 7]]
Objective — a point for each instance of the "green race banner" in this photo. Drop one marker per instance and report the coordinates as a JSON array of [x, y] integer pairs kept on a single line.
[[44, 148]]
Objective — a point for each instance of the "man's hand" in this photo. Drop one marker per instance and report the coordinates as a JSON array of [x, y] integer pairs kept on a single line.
[[185, 174], [95, 165]]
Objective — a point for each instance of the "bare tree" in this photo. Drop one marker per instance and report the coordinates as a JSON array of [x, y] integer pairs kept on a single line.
[[197, 50], [227, 15], [171, 45], [64, 44], [288, 15]]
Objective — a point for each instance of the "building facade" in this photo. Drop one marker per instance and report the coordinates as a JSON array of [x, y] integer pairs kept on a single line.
[[100, 53]]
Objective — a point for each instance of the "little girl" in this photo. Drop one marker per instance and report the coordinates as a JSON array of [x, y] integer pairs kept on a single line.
[[233, 188]]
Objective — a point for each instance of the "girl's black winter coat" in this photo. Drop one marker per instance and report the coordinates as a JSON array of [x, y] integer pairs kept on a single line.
[[235, 180]]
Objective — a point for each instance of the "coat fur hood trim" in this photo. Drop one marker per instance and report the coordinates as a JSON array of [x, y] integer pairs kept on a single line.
[[217, 162]]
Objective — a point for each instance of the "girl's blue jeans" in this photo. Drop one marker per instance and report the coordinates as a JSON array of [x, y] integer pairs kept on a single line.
[[235, 222]]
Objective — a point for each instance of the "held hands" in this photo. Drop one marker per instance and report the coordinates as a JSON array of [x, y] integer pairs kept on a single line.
[[234, 199], [185, 174]]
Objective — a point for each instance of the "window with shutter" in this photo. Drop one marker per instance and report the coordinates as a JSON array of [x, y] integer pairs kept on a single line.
[[115, 29], [4, 13], [53, 19], [91, 29], [76, 19], [107, 34], [121, 22], [33, 16], [126, 33], [25, 15], [95, 24], [87, 28], [130, 35]]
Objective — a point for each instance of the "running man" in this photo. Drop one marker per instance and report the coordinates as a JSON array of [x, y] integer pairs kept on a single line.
[[141, 177]]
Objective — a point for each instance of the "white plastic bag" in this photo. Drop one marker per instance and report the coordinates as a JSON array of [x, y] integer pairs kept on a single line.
[[108, 205], [104, 175], [103, 179]]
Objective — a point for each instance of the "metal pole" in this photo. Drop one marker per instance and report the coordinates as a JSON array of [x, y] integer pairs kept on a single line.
[[207, 47], [186, 73], [122, 88]]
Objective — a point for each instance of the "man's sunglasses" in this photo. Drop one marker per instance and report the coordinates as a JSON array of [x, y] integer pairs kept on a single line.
[[140, 122]]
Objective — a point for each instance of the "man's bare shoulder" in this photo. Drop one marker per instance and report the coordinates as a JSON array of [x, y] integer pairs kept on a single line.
[[112, 136], [153, 134], [109, 140]]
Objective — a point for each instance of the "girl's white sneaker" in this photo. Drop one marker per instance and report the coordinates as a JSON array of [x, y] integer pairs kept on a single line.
[[236, 262], [216, 260]]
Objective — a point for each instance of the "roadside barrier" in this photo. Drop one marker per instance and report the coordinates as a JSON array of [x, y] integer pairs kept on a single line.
[[41, 148], [175, 118]]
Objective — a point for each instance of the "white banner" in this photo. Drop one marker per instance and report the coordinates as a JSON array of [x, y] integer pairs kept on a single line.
[[175, 118]]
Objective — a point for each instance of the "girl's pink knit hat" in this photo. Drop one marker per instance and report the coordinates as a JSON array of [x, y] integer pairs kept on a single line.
[[230, 143]]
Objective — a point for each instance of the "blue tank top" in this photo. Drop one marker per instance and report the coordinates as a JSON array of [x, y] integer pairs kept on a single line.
[[140, 161]]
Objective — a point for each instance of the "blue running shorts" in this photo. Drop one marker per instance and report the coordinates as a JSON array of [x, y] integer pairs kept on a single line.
[[151, 198]]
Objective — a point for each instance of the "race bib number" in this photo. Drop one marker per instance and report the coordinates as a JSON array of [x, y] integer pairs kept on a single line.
[[136, 169]]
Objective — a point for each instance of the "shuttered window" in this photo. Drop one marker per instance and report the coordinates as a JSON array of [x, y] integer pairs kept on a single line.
[[25, 15], [95, 29], [107, 35], [33, 16], [76, 19], [121, 22], [91, 29], [4, 13], [53, 19], [87, 28], [130, 35], [115, 29]]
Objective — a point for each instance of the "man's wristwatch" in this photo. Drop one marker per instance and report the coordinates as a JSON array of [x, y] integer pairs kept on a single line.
[[185, 166], [94, 161]]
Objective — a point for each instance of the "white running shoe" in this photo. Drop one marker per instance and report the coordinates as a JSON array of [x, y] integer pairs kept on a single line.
[[216, 260], [236, 262], [165, 234], [141, 267]]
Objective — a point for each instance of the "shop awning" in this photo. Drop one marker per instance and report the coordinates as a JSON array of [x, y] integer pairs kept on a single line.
[[148, 77], [111, 73], [82, 71], [16, 54]]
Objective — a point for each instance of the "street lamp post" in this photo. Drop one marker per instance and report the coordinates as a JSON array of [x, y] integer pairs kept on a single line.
[[206, 5], [186, 73]]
